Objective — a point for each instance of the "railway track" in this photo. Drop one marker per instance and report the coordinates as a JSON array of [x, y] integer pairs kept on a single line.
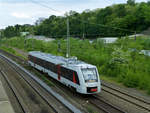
[[62, 108], [139, 102], [29, 99], [23, 110], [104, 105], [125, 96]]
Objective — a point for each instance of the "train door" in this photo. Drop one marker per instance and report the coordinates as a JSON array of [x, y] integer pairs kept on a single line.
[[58, 71], [34, 60], [74, 78]]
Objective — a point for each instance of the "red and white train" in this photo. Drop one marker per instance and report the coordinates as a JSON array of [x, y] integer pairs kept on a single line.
[[73, 73]]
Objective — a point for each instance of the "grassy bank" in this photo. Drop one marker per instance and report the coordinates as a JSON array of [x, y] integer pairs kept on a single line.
[[120, 60], [11, 50]]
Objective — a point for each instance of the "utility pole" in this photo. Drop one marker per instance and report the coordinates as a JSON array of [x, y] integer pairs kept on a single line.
[[83, 37], [0, 37], [59, 46], [83, 29], [68, 39], [32, 37], [135, 36], [32, 43]]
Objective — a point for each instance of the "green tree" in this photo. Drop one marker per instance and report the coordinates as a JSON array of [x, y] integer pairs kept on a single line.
[[131, 2], [148, 2], [109, 21]]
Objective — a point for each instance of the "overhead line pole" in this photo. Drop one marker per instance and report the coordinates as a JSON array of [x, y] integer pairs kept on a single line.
[[68, 39]]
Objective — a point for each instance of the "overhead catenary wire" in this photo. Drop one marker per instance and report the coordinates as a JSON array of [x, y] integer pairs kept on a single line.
[[108, 26], [43, 5], [108, 1]]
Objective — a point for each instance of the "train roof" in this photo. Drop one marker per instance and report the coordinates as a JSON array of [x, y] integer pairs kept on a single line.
[[61, 60]]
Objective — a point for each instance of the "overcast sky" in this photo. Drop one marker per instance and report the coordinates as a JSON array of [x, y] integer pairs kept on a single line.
[[28, 11]]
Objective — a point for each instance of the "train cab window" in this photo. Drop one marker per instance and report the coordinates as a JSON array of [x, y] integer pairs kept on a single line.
[[90, 74]]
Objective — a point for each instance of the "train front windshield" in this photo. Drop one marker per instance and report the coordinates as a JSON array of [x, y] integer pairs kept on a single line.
[[90, 75]]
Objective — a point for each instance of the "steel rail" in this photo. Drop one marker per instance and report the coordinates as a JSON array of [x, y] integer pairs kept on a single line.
[[14, 92], [105, 106], [145, 108], [137, 98]]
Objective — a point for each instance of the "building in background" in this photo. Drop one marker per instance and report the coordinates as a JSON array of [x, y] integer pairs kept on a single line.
[[24, 33]]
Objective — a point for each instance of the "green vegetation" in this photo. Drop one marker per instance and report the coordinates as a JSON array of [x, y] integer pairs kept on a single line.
[[12, 31], [8, 49], [115, 20], [12, 51], [91, 110], [120, 61]]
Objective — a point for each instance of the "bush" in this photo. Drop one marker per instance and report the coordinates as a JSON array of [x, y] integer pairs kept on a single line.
[[146, 44], [131, 79], [143, 81]]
